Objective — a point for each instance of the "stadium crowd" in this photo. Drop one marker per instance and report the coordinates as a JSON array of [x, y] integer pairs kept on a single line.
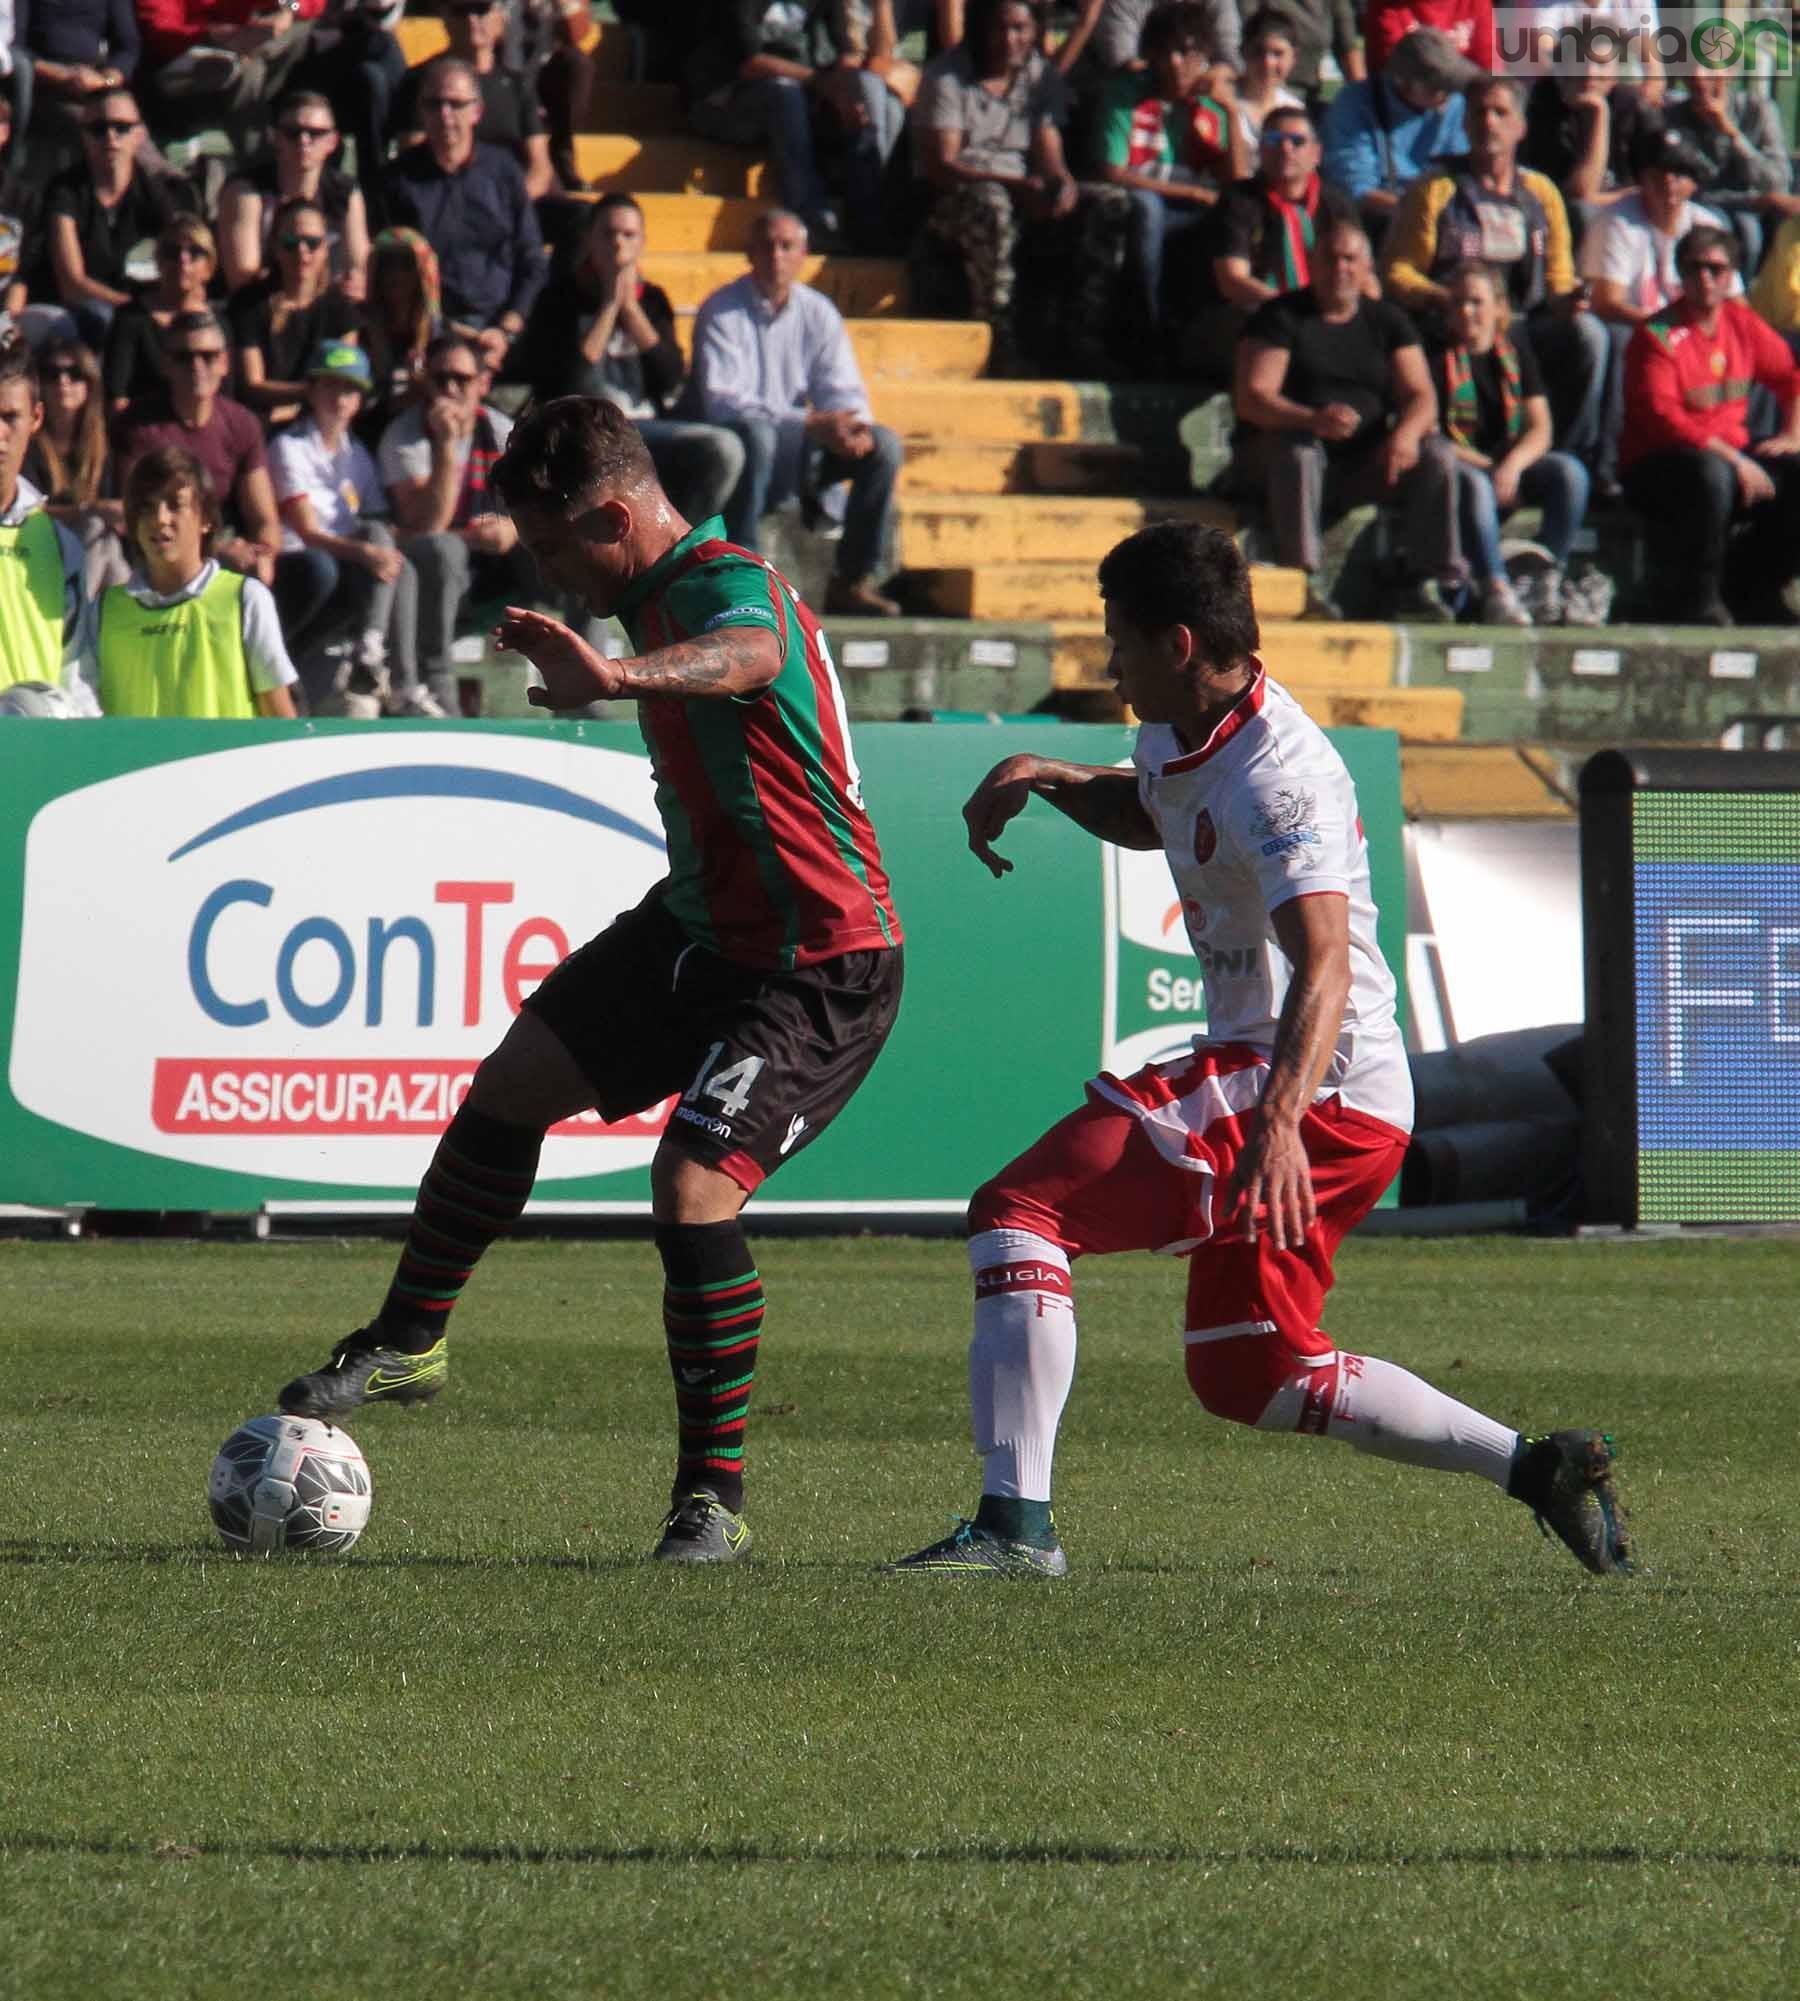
[[272, 299]]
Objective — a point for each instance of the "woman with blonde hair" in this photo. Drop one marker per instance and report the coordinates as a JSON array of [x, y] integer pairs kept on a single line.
[[187, 260]]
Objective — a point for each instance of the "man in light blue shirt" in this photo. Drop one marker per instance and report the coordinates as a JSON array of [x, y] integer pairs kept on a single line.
[[1383, 133], [773, 363]]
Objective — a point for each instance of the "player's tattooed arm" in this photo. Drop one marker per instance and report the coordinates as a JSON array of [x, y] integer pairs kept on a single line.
[[736, 660], [1101, 800]]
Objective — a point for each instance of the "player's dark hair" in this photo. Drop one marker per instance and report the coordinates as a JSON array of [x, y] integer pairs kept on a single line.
[[617, 199], [1702, 238], [570, 451], [164, 471], [1179, 573], [1177, 24], [19, 364]]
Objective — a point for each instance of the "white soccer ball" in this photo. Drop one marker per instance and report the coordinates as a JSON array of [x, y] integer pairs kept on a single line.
[[289, 1483], [38, 698]]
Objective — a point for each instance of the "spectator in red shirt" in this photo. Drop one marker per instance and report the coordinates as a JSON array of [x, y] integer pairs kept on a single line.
[[1468, 23], [1689, 466]]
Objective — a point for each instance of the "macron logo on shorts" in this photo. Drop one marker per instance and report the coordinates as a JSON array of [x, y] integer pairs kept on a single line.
[[1029, 1276]]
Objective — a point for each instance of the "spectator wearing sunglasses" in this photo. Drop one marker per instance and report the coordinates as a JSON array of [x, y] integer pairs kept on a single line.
[[186, 262], [1261, 241], [435, 459], [66, 50], [283, 319], [301, 162], [510, 115], [193, 412], [469, 201], [221, 62], [1723, 514], [103, 217]]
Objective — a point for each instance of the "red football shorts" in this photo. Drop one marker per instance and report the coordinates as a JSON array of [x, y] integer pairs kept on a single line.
[[1143, 1166]]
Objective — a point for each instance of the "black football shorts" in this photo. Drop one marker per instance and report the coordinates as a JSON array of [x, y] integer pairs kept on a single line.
[[762, 1062]]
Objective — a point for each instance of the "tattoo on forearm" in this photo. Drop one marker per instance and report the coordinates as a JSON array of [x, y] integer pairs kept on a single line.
[[730, 662]]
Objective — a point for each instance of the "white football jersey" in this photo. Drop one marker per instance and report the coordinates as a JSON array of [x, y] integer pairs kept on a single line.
[[1262, 812]]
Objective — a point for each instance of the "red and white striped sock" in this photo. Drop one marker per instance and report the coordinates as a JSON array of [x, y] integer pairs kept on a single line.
[[1380, 1408], [1021, 1360]]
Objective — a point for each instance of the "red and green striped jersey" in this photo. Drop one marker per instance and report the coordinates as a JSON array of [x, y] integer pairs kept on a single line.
[[772, 858]]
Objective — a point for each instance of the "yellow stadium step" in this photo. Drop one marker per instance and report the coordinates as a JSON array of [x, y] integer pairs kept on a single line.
[[634, 107], [1482, 781], [969, 531], [670, 164], [422, 36], [983, 412], [893, 349], [1056, 591], [933, 467], [1313, 659], [689, 223], [1421, 715], [860, 287]]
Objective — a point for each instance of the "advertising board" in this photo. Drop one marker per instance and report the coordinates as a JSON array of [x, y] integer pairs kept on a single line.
[[244, 964]]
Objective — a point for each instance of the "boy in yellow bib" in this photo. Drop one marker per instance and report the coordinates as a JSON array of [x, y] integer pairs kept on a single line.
[[185, 637], [45, 628]]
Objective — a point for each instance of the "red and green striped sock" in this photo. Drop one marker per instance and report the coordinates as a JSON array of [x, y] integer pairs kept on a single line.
[[477, 1183], [712, 1317]]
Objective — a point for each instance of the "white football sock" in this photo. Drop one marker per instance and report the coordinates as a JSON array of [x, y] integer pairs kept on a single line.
[[1021, 1360], [1379, 1408]]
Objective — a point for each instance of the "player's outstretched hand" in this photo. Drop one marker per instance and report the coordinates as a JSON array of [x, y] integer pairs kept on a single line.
[[574, 674], [1274, 1176], [1001, 796]]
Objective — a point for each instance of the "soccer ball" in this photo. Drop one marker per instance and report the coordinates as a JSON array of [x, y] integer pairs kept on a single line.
[[39, 698], [289, 1483]]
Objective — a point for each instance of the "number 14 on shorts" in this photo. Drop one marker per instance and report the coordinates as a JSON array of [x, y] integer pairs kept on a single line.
[[730, 1087]]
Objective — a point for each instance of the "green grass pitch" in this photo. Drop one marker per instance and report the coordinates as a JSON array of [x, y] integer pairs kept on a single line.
[[1299, 1723]]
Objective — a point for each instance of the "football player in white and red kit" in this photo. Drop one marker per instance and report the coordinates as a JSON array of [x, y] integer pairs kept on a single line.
[[1253, 1154]]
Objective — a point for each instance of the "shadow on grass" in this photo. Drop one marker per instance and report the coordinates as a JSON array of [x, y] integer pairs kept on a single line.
[[1051, 1853]]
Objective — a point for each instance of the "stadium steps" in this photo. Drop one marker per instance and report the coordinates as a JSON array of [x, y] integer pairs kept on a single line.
[[643, 163], [894, 349], [422, 36], [1341, 660], [860, 287], [1488, 781], [978, 531], [1008, 593]]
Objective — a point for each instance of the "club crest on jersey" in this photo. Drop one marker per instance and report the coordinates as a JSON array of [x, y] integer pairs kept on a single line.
[[1206, 838]]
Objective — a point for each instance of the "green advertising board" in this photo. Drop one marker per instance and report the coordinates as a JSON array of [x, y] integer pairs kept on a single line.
[[254, 964]]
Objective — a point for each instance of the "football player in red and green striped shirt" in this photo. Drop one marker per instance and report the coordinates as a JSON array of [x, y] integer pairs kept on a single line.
[[758, 982]]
